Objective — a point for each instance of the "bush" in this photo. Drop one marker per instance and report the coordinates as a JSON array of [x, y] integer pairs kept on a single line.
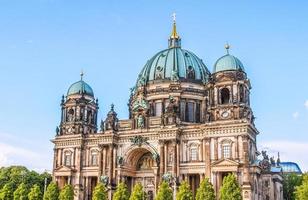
[[230, 189], [138, 193], [164, 192], [67, 193], [205, 190], [121, 193], [184, 192], [21, 193], [52, 192], [100, 192], [35, 193]]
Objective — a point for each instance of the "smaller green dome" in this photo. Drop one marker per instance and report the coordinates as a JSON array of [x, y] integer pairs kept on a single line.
[[227, 63], [80, 87]]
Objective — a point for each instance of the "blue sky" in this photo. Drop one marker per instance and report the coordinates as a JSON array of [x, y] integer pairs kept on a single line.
[[44, 44]]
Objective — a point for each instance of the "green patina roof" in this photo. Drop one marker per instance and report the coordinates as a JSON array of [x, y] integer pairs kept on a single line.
[[174, 61], [80, 87], [228, 62]]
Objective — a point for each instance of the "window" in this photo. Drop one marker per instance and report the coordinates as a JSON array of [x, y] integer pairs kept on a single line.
[[242, 100], [182, 110], [158, 109], [198, 113], [67, 159], [94, 159], [193, 153], [190, 112], [225, 96], [226, 151]]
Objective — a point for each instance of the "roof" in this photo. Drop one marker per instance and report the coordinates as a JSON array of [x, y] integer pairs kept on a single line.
[[80, 87], [290, 167], [227, 63], [174, 63]]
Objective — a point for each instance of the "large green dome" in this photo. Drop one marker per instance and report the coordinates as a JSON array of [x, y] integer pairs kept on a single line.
[[227, 63], [80, 87], [174, 62]]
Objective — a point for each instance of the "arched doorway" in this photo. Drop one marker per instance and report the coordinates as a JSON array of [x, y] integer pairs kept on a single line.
[[140, 166]]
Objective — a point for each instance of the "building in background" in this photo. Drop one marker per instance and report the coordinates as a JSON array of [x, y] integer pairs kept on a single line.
[[185, 123]]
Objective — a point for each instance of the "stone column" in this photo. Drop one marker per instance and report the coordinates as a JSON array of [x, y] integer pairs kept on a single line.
[[165, 157], [236, 148], [215, 149], [161, 157], [178, 158], [55, 158], [110, 152], [174, 164], [114, 162], [104, 160], [99, 174], [207, 153]]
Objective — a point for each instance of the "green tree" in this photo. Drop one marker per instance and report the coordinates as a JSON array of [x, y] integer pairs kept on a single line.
[[164, 192], [184, 192], [19, 174], [6, 193], [301, 192], [290, 181], [67, 193], [21, 193], [52, 192], [100, 192], [121, 193], [205, 190], [35, 193], [230, 189], [138, 193]]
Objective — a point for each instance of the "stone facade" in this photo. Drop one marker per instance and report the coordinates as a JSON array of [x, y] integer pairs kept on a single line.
[[179, 128]]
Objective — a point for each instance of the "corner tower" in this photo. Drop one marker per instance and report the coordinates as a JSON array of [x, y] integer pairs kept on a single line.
[[78, 110]]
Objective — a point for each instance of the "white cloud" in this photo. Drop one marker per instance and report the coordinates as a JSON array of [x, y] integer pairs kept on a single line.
[[22, 151], [295, 115], [306, 104], [289, 151]]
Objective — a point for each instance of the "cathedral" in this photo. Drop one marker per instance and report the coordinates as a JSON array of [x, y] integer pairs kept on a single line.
[[185, 123]]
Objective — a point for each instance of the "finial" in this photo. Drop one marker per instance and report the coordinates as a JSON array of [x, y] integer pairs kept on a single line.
[[112, 107], [227, 47], [81, 75], [174, 39], [174, 34]]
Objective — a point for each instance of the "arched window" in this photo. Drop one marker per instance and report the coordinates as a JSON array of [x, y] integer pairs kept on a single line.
[[242, 94], [189, 114], [70, 116], [67, 158], [158, 108], [225, 96], [193, 152], [226, 150], [94, 158]]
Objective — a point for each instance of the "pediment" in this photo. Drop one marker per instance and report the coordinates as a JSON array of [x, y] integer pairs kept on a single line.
[[224, 162], [64, 169]]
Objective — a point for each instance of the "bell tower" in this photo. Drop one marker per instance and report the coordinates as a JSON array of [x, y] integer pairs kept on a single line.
[[230, 90], [78, 110]]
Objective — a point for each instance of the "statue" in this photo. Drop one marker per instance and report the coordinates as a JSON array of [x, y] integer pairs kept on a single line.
[[140, 121], [141, 82], [138, 140], [272, 161], [120, 160], [57, 130], [104, 180], [174, 76], [265, 156], [156, 158]]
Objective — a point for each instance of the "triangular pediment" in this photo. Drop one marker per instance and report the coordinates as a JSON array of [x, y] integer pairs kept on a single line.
[[225, 162], [64, 169]]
